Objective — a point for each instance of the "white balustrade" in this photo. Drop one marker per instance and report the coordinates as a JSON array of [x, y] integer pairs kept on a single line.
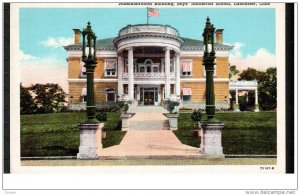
[[149, 75]]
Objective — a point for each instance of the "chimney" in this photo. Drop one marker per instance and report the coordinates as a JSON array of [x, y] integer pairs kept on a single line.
[[219, 36], [76, 36]]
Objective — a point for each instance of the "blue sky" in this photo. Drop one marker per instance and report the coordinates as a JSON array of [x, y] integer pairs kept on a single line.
[[43, 32], [253, 27]]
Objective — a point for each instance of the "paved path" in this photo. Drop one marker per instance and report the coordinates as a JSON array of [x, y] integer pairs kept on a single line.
[[149, 136], [149, 144]]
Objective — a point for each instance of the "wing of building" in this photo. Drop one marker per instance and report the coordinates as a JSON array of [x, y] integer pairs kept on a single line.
[[149, 63]]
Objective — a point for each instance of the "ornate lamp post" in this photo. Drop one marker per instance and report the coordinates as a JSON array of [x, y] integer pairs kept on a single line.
[[90, 60], [211, 143], [209, 62], [90, 130]]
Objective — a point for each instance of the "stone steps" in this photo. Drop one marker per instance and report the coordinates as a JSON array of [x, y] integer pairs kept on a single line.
[[148, 118]]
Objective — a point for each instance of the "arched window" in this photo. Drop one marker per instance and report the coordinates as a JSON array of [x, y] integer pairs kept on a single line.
[[110, 95]]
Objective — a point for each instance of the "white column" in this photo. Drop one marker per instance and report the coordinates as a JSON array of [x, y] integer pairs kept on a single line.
[[236, 96], [177, 73], [130, 74], [120, 73], [256, 97], [167, 73]]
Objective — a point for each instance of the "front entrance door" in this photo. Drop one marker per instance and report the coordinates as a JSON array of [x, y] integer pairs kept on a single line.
[[149, 98]]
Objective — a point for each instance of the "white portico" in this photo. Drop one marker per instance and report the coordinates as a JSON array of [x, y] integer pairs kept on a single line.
[[148, 59]]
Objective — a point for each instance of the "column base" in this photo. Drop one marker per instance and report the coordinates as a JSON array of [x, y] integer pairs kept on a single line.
[[90, 141], [236, 107], [256, 108], [211, 146]]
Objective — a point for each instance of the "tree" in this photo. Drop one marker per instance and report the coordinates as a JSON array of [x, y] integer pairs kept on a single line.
[[267, 86], [233, 71], [48, 97], [27, 105], [268, 90]]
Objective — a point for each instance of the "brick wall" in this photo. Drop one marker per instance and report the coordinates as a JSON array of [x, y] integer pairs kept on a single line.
[[75, 90], [198, 69], [198, 90]]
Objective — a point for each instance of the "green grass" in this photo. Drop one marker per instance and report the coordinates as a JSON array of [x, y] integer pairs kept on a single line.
[[113, 138], [57, 134], [244, 132]]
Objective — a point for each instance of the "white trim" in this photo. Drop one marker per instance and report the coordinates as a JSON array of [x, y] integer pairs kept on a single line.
[[203, 80], [149, 82], [78, 53], [95, 80], [231, 88], [199, 53], [149, 41]]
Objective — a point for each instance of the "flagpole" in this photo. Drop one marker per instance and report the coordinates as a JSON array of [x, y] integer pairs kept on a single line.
[[147, 16]]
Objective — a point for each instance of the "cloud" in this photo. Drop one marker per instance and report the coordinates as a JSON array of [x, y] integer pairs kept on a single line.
[[43, 70], [25, 57], [260, 60], [57, 42]]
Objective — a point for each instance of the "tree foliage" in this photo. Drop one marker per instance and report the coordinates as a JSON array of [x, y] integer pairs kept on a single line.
[[27, 105], [233, 71], [267, 86], [46, 98]]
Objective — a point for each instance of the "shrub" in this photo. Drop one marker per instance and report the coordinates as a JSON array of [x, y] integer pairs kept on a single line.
[[196, 115], [123, 106], [108, 107], [101, 117], [171, 106]]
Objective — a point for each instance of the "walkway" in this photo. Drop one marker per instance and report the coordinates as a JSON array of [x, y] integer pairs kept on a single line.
[[149, 137]]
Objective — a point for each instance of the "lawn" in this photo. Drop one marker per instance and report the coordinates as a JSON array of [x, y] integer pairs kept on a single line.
[[57, 134], [244, 132]]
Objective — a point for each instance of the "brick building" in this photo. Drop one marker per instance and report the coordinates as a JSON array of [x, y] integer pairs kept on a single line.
[[149, 63]]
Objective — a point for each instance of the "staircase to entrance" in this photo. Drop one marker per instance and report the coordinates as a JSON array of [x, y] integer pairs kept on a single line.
[[148, 118]]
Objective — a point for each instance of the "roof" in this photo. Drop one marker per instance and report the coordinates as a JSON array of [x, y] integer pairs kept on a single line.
[[107, 43]]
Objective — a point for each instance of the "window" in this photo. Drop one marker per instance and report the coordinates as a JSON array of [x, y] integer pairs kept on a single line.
[[110, 67], [186, 68], [83, 69], [83, 95], [155, 68], [142, 68], [186, 94], [110, 95], [148, 68]]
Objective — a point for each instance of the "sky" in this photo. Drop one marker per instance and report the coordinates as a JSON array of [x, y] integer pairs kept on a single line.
[[43, 32]]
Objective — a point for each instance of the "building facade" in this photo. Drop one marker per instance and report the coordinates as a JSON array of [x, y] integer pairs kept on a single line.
[[148, 64]]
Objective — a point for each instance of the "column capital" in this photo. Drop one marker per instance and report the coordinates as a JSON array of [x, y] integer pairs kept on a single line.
[[177, 54], [167, 48], [129, 48]]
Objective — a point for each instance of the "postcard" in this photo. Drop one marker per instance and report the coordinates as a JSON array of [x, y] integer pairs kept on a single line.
[[148, 88]]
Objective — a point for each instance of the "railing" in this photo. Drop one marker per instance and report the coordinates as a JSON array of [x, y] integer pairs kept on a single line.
[[148, 75], [148, 28], [243, 83]]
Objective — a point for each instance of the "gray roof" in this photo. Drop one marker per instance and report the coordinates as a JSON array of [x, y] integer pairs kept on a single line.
[[188, 43]]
